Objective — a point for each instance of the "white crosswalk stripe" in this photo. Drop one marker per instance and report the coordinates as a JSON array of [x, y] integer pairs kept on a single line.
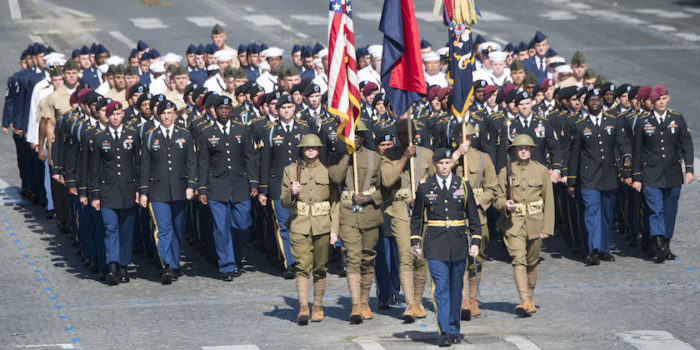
[[558, 15], [370, 16], [148, 23], [311, 19], [688, 36], [263, 20], [122, 38], [521, 342], [663, 13], [15, 10], [426, 16], [662, 27], [232, 347], [369, 345], [488, 16], [651, 339], [205, 22]]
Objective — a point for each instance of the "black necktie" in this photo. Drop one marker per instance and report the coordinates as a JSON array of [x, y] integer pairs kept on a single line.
[[116, 135], [167, 134], [444, 184]]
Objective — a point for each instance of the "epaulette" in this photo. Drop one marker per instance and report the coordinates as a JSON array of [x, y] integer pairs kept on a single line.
[[609, 115], [98, 131], [670, 111], [539, 117], [129, 128], [270, 125], [148, 131], [580, 120], [422, 181], [237, 122], [498, 116], [181, 128], [300, 122], [206, 127], [257, 119]]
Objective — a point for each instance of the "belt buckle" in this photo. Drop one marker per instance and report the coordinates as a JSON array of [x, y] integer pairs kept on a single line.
[[356, 208]]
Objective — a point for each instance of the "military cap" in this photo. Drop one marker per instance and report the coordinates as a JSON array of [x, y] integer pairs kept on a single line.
[[210, 98], [131, 70], [424, 44], [136, 88], [433, 92], [539, 37], [523, 140], [382, 135], [317, 47], [509, 95], [211, 48], [113, 106], [551, 53], [312, 89], [369, 88], [581, 92], [633, 92], [457, 130], [199, 50], [521, 47], [522, 95], [56, 71], [242, 48], [253, 48], [255, 88], [509, 47], [531, 44], [296, 48], [599, 81], [479, 40], [24, 54], [591, 93], [307, 51], [141, 45], [241, 89], [622, 89], [84, 50], [100, 49], [103, 102], [530, 78], [153, 54], [577, 59], [272, 96], [75, 54], [480, 84], [297, 88], [91, 97], [656, 92], [93, 48], [49, 50], [155, 100], [442, 153], [310, 140], [403, 126], [70, 65], [566, 92], [643, 92], [589, 74], [190, 49], [190, 88], [283, 100], [608, 86], [291, 71], [516, 66], [361, 126], [223, 101], [198, 91], [546, 84], [228, 72], [489, 91], [133, 54], [218, 29], [378, 97]]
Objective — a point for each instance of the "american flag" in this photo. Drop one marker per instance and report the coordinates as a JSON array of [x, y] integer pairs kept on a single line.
[[343, 89]]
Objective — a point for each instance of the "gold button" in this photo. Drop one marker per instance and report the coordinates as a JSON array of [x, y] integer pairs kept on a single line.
[[229, 167], [445, 200], [119, 166], [602, 157], [119, 173], [118, 148], [169, 162], [600, 142], [662, 148], [227, 151], [228, 159], [169, 168], [289, 143], [663, 156], [226, 143], [119, 157]]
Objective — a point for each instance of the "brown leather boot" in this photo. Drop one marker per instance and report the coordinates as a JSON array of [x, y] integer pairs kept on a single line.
[[406, 279], [303, 294], [354, 286], [473, 293], [419, 280], [474, 307], [520, 276], [319, 290], [466, 313], [366, 288], [531, 282]]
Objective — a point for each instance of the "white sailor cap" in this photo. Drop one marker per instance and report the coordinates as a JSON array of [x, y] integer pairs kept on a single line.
[[223, 55], [172, 58], [114, 60], [322, 53], [157, 67], [443, 51], [375, 50], [273, 52], [497, 56], [564, 69], [431, 57]]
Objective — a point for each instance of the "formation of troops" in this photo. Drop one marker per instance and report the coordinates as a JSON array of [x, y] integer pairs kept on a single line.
[[224, 147]]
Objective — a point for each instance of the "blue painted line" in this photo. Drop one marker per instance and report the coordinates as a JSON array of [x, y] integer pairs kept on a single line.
[[4, 220], [676, 259], [63, 317], [8, 227], [20, 248], [614, 286], [42, 279], [2, 213], [69, 329], [37, 271], [47, 289], [15, 241], [31, 263], [75, 340], [53, 297], [25, 255], [58, 307], [423, 325], [695, 284], [13, 234], [690, 268]]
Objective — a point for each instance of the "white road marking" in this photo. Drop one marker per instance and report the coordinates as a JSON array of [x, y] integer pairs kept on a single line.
[[674, 15], [370, 16], [205, 21], [249, 9], [688, 36], [649, 340], [369, 345], [148, 23], [614, 16], [36, 39], [123, 39], [15, 10], [263, 20], [649, 11], [301, 35], [232, 347], [577, 6], [558, 15], [662, 28], [426, 16], [492, 16], [74, 12], [62, 346], [693, 10], [499, 40], [311, 19], [521, 343]]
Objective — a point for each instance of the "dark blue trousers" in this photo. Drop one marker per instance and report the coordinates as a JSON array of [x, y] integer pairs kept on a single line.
[[447, 293], [222, 215], [241, 222], [282, 232], [599, 212], [169, 220], [119, 234], [662, 206], [387, 268]]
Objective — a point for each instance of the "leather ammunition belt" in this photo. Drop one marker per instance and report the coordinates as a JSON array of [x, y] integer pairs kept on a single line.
[[316, 209]]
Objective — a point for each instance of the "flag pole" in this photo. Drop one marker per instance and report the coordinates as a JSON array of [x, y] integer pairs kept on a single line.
[[412, 162]]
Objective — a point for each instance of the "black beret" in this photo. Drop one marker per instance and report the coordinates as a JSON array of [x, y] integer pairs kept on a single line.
[[441, 153], [283, 100], [163, 106], [591, 93], [522, 95]]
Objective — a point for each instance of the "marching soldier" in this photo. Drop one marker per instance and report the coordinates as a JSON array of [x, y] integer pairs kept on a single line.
[[526, 201], [481, 176], [661, 141], [313, 224], [167, 180], [444, 208], [360, 218], [397, 176], [112, 187]]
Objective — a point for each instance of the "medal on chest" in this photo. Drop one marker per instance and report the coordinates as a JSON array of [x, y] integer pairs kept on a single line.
[[673, 127], [128, 143], [649, 129], [278, 140], [106, 146], [459, 194], [609, 129], [156, 145], [213, 141], [539, 130], [587, 132], [180, 143]]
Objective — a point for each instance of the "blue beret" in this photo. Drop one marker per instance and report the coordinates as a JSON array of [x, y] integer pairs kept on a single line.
[[307, 51], [479, 39], [539, 37], [199, 50], [75, 54], [318, 47], [424, 44], [509, 48], [141, 45], [190, 49], [551, 53], [242, 48], [253, 48], [296, 48]]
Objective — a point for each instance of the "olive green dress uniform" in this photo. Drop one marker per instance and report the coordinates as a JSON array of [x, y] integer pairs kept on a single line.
[[314, 216], [412, 272], [534, 214], [359, 230]]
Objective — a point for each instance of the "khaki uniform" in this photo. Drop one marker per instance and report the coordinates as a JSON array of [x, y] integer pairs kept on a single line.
[[412, 272], [314, 216], [176, 98], [119, 96], [54, 105], [359, 231], [534, 215]]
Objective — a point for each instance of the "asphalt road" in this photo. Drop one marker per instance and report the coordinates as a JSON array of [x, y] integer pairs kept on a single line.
[[49, 300]]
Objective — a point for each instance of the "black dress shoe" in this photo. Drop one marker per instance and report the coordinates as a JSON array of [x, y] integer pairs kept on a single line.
[[394, 299], [606, 257], [93, 267], [123, 274], [383, 305], [592, 258], [51, 214], [445, 340], [667, 247], [166, 276], [660, 249], [455, 339], [227, 276], [112, 276], [237, 272], [177, 273], [289, 273]]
